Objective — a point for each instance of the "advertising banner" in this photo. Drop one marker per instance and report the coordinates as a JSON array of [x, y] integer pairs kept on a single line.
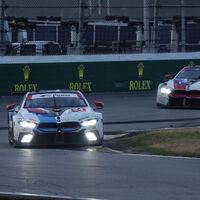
[[110, 76]]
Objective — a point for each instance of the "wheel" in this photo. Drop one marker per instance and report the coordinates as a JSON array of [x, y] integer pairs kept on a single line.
[[100, 142], [160, 105]]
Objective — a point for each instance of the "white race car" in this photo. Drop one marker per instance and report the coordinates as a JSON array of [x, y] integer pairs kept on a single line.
[[57, 117], [183, 90]]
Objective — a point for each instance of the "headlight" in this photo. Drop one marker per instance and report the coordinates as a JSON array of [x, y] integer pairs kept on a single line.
[[89, 122], [165, 90], [26, 124]]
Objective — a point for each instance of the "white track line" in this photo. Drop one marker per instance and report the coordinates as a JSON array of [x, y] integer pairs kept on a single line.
[[160, 156], [40, 196]]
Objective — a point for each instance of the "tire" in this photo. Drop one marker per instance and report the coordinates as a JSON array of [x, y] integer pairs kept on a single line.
[[160, 105], [100, 142], [15, 144]]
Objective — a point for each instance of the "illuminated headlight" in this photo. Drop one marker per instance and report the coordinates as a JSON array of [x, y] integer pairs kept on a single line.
[[26, 124], [91, 136], [165, 90], [27, 138], [89, 122]]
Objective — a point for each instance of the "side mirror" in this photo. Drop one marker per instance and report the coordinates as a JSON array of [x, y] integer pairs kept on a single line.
[[169, 76], [9, 107], [99, 105]]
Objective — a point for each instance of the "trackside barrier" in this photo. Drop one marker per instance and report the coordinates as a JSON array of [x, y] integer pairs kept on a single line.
[[91, 76]]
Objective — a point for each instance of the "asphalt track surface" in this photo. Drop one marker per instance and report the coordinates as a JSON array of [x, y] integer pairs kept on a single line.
[[90, 174]]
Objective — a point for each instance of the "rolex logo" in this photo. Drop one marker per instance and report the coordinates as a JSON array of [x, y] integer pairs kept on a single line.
[[191, 63], [140, 69], [81, 70], [26, 70]]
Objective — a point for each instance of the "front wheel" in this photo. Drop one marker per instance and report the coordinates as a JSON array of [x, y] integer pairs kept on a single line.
[[100, 142]]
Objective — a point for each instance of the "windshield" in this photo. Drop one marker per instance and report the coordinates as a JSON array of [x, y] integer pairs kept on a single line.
[[189, 74], [54, 100]]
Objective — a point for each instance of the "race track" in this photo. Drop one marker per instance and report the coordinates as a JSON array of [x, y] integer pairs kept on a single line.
[[128, 112], [87, 174]]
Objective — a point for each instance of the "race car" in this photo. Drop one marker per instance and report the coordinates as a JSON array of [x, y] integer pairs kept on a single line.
[[183, 90], [57, 117]]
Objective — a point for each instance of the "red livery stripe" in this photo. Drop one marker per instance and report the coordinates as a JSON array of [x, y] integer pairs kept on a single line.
[[36, 110], [29, 97]]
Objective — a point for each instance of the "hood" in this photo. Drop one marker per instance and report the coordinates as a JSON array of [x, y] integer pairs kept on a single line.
[[51, 115], [184, 84]]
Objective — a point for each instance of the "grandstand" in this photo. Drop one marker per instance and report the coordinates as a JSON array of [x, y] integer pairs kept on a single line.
[[101, 26]]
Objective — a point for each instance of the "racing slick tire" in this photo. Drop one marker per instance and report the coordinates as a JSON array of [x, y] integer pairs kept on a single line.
[[160, 105], [100, 142]]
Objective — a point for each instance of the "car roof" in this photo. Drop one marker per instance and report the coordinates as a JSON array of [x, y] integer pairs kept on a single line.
[[193, 67]]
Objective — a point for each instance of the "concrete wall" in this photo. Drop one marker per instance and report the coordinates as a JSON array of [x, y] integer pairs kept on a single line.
[[98, 73]]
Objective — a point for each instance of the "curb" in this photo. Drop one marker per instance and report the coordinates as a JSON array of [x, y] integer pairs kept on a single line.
[[27, 196]]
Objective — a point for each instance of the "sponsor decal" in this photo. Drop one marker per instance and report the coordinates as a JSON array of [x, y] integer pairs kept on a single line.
[[140, 69], [26, 72], [26, 86], [58, 95], [180, 84], [140, 84], [81, 84], [81, 69]]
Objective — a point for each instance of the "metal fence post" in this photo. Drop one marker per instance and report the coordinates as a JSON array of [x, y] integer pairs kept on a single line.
[[174, 39], [155, 26], [2, 31], [81, 38], [183, 25], [146, 25]]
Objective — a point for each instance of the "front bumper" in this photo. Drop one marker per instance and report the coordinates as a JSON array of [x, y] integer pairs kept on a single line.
[[184, 102], [59, 139]]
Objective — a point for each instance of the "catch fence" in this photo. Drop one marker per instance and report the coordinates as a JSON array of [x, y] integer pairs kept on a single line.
[[60, 27]]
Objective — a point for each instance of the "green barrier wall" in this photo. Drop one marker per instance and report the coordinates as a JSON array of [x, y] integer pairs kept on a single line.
[[120, 76]]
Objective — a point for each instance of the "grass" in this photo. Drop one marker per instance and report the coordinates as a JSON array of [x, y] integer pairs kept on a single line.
[[176, 142]]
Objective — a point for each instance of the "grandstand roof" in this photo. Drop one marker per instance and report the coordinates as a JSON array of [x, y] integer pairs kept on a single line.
[[68, 9]]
